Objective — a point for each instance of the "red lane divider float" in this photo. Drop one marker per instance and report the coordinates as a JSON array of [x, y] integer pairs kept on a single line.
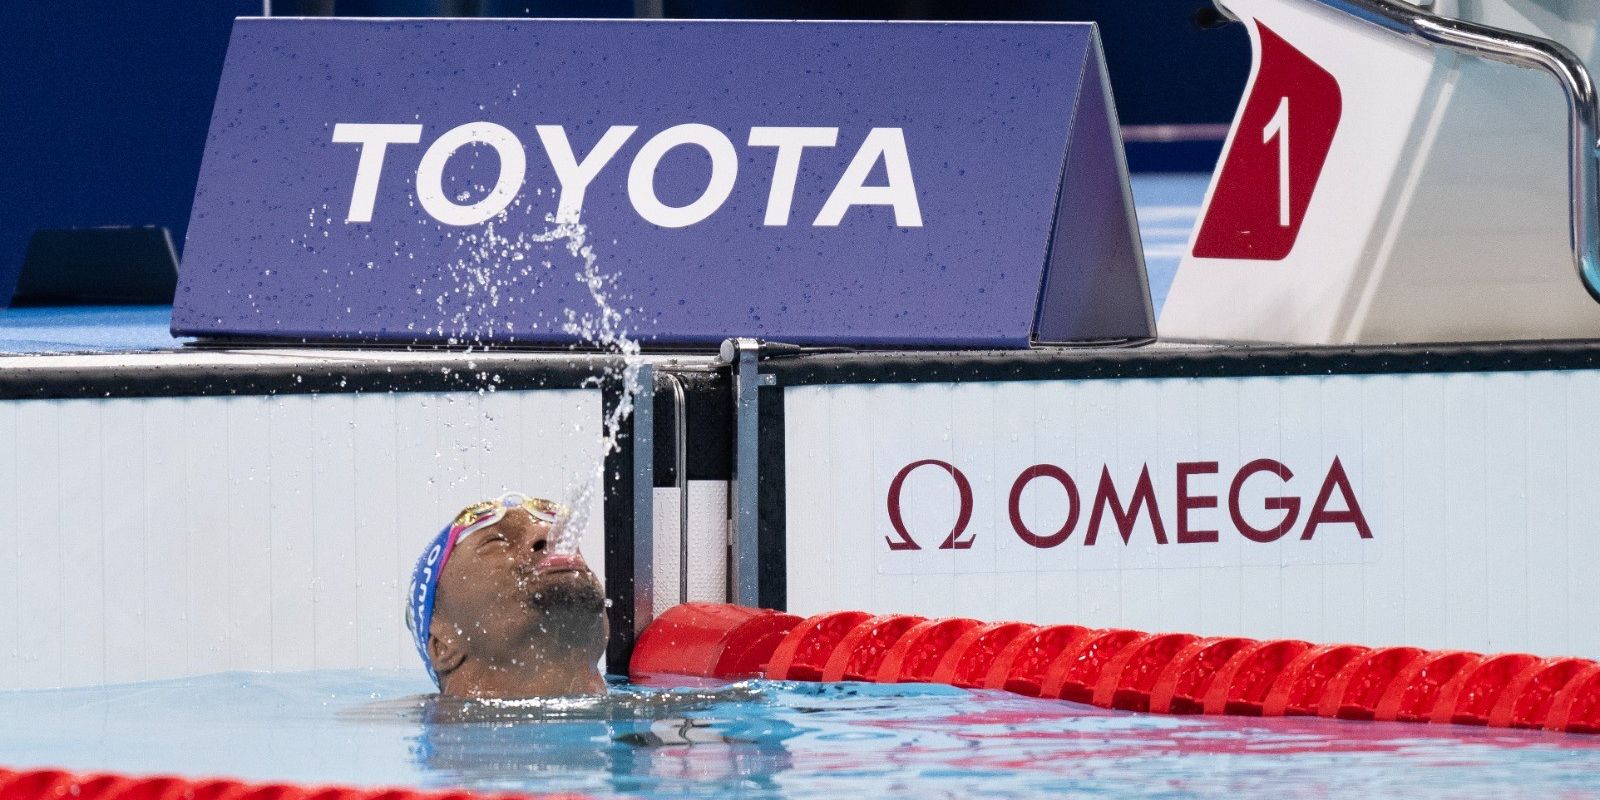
[[860, 653], [804, 652], [1181, 688], [916, 655], [1075, 673], [1175, 673], [1470, 696], [1020, 666], [1526, 701], [1129, 679], [1358, 688], [49, 784], [713, 640], [1576, 708], [969, 660], [1298, 690], [1414, 692], [1243, 684]]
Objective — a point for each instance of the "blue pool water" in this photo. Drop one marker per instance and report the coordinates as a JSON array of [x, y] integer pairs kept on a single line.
[[762, 740], [1168, 205], [79, 329]]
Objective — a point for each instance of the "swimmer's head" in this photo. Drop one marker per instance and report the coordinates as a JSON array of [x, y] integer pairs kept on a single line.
[[495, 612]]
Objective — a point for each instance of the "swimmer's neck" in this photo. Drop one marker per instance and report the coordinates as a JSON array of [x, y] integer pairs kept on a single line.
[[541, 676]]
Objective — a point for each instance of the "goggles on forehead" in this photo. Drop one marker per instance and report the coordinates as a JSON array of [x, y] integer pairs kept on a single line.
[[425, 578], [478, 516]]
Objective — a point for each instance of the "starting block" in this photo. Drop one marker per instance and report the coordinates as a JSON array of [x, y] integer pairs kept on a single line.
[[1395, 175]]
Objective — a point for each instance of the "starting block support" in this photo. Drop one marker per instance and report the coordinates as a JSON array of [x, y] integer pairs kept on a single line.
[[1395, 175]]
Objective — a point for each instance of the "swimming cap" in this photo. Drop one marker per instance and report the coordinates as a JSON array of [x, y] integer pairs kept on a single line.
[[424, 590]]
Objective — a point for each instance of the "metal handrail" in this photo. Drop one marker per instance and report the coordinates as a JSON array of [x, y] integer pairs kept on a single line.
[[680, 447], [1530, 52]]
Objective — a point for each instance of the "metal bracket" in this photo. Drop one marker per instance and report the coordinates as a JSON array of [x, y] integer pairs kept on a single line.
[[643, 501], [680, 445], [741, 355]]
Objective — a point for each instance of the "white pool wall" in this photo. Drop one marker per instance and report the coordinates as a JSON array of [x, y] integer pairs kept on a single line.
[[146, 538]]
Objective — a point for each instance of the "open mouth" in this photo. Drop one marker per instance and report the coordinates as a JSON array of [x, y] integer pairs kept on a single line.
[[561, 563]]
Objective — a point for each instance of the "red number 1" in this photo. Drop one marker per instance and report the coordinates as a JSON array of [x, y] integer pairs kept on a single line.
[[1264, 185], [1278, 128]]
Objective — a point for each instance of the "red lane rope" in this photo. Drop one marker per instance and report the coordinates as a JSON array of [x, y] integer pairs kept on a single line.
[[1175, 673], [53, 784]]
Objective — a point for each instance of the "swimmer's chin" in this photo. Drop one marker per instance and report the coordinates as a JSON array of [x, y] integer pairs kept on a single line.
[[578, 689], [568, 591]]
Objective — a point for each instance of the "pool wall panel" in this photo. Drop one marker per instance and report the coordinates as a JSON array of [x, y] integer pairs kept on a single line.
[[122, 444], [708, 544], [159, 537], [1478, 488]]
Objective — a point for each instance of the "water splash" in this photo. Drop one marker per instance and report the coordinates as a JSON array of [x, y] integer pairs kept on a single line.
[[603, 328], [494, 273]]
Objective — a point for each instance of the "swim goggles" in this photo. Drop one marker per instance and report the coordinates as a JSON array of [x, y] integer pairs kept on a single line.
[[478, 516]]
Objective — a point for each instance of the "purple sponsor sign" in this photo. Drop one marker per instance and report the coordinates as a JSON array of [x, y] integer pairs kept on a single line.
[[889, 184]]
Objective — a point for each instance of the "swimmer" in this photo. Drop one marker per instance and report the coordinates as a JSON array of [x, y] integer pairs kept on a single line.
[[496, 614]]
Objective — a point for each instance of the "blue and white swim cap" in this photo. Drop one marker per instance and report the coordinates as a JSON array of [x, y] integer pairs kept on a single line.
[[424, 590]]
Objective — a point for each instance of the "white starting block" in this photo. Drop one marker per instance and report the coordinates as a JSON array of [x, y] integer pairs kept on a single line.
[[1396, 174]]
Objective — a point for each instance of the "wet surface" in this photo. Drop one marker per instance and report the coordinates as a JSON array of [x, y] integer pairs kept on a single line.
[[1167, 206]]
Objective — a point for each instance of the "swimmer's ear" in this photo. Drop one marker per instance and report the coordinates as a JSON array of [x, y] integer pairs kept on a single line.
[[444, 649]]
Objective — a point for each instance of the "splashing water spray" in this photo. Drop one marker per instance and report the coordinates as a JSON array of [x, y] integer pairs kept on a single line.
[[602, 328], [482, 281]]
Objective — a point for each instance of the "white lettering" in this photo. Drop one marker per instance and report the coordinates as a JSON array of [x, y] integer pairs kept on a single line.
[[900, 193], [575, 176], [430, 173], [641, 177], [790, 143], [374, 139]]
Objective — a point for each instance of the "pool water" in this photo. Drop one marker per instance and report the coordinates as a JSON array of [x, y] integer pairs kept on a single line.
[[759, 739]]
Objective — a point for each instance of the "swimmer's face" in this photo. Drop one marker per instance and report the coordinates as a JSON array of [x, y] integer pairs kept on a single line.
[[510, 606]]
